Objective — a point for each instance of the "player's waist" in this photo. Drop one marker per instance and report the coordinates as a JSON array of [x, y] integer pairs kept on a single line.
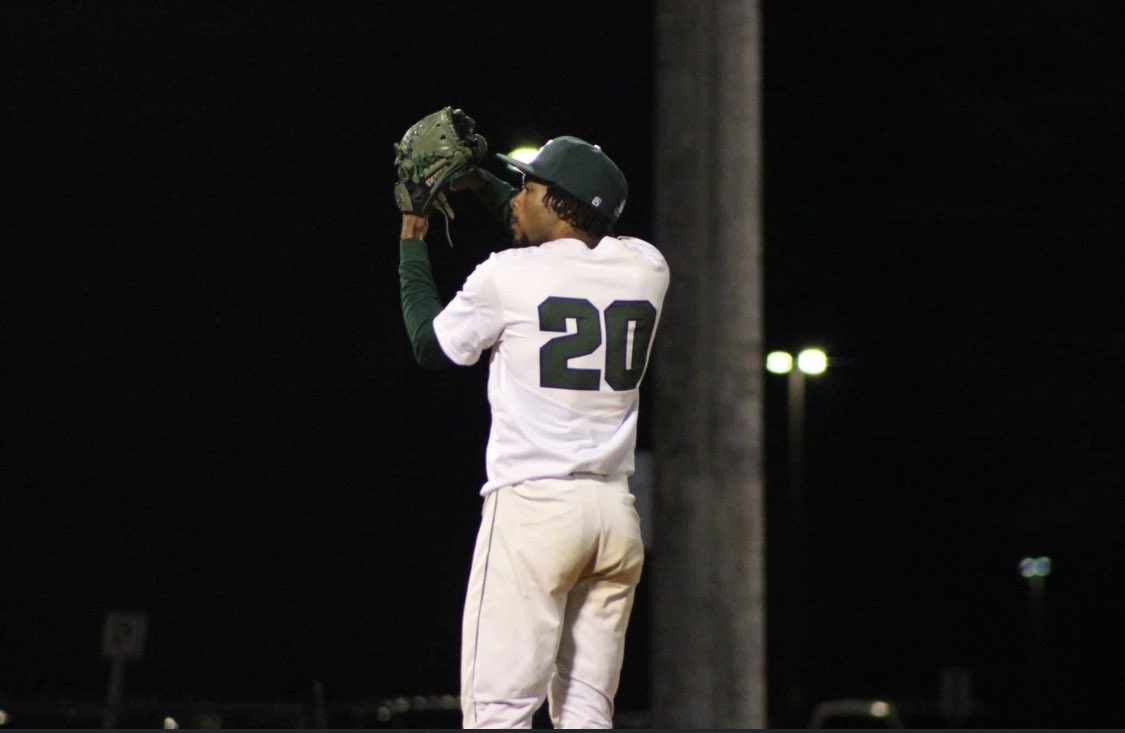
[[602, 477]]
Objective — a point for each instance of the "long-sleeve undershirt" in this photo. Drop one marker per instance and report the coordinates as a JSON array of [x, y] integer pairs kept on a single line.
[[420, 300]]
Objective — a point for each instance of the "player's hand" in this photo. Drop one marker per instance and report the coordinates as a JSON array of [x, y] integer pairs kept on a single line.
[[470, 180]]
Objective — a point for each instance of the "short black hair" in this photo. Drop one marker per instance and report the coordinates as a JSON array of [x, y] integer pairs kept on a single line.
[[575, 211]]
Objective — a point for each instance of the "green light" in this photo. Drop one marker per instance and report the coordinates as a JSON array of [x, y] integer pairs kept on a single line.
[[779, 362], [1035, 567], [524, 154], [812, 361]]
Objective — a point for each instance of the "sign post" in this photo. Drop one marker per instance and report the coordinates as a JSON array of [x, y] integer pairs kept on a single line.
[[123, 639]]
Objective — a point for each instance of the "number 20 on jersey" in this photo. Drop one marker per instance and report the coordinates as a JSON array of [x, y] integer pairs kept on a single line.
[[628, 332]]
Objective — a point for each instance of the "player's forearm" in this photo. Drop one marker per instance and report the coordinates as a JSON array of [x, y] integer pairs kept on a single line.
[[420, 302], [496, 196], [414, 227]]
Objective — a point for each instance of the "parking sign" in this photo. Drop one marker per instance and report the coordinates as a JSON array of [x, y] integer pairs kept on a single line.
[[124, 634]]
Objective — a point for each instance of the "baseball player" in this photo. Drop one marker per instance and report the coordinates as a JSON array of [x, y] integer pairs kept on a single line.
[[569, 315]]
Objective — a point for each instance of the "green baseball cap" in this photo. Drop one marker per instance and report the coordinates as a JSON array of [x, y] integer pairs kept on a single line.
[[580, 169]]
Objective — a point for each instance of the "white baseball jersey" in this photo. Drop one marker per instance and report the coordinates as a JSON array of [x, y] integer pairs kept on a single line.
[[570, 329]]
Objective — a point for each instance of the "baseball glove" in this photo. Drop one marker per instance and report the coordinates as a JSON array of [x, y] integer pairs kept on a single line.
[[435, 152]]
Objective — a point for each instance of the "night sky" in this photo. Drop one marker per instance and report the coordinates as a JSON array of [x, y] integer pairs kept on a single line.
[[212, 413]]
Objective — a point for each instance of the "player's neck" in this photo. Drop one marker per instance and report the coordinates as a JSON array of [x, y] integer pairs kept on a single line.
[[565, 230]]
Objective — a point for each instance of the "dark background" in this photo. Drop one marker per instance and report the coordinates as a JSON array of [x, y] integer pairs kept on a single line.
[[212, 413]]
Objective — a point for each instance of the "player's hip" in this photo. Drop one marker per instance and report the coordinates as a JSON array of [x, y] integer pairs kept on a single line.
[[576, 525]]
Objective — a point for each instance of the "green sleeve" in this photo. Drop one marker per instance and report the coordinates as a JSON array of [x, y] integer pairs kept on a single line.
[[496, 196], [420, 303]]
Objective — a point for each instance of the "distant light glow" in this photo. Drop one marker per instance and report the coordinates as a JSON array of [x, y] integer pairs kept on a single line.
[[812, 361], [171, 724], [880, 709], [1035, 567], [779, 362], [524, 154], [3, 717]]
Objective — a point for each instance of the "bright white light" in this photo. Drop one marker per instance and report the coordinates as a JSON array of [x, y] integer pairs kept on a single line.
[[171, 724], [524, 154], [812, 361], [779, 362], [880, 709], [3, 717]]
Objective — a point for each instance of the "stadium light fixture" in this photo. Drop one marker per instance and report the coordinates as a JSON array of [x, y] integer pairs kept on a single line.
[[1035, 567], [524, 154], [812, 361], [779, 362]]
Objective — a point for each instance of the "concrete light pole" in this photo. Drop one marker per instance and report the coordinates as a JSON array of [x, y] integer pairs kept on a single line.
[[708, 575], [809, 362]]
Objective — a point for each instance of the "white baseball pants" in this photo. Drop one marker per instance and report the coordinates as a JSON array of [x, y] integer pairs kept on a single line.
[[555, 569]]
